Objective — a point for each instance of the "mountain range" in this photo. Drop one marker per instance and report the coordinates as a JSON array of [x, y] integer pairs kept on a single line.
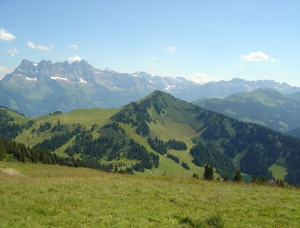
[[36, 89]]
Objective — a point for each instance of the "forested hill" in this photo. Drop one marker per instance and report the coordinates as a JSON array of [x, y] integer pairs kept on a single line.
[[165, 134], [267, 107], [250, 147]]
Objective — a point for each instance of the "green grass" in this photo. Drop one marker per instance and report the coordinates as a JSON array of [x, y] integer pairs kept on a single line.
[[166, 165], [86, 117], [54, 196], [278, 171]]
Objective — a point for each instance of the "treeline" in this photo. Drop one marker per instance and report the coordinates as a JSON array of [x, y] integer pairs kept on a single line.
[[208, 154], [176, 145], [57, 141], [238, 178], [59, 127], [113, 143], [161, 147], [157, 145], [13, 151], [148, 160], [8, 130], [20, 152], [185, 165], [173, 157], [136, 115]]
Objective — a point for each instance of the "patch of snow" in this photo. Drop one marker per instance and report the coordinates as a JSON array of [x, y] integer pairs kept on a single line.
[[134, 75], [59, 78], [82, 81], [170, 87], [35, 64], [31, 79]]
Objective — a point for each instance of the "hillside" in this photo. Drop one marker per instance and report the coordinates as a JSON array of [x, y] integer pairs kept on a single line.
[[262, 106], [158, 130], [80, 197], [294, 132]]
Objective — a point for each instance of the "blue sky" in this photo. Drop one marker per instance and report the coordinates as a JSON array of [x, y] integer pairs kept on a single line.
[[197, 39]]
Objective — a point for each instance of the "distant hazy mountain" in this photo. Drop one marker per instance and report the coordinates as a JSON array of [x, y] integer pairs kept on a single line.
[[294, 132], [223, 89], [39, 88], [263, 106]]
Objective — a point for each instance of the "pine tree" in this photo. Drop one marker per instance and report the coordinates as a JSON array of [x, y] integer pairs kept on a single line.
[[238, 176], [2, 152], [254, 179], [208, 172], [226, 178]]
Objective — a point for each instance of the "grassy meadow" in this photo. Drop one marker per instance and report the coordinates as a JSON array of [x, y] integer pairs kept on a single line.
[[35, 195]]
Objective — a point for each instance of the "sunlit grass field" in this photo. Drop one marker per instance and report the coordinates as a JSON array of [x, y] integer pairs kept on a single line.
[[36, 195]]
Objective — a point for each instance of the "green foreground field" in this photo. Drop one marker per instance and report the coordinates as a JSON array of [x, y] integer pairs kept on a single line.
[[35, 195]]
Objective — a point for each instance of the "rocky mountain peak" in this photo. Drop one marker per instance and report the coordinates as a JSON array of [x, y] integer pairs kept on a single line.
[[26, 65]]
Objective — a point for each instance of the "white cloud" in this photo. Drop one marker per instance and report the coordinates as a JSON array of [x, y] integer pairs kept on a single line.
[[171, 49], [153, 59], [255, 57], [12, 52], [74, 58], [201, 78], [241, 66], [4, 70], [74, 47], [6, 35], [274, 60], [39, 47]]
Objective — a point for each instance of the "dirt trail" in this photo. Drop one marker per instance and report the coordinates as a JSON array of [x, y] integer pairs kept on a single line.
[[11, 172]]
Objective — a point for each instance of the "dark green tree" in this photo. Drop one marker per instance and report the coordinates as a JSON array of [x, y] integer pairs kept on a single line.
[[254, 179], [262, 179], [226, 178], [208, 172], [238, 176]]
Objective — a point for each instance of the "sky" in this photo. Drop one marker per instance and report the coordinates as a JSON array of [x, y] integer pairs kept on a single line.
[[198, 39]]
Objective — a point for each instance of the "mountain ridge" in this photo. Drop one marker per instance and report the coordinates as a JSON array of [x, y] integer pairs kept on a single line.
[[31, 85], [267, 107]]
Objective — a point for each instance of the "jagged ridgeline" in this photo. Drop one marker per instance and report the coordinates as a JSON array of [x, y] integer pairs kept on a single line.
[[224, 142]]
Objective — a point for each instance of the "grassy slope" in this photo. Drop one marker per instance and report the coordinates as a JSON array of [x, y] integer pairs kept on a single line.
[[86, 117], [164, 128], [278, 171], [54, 196], [166, 165]]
